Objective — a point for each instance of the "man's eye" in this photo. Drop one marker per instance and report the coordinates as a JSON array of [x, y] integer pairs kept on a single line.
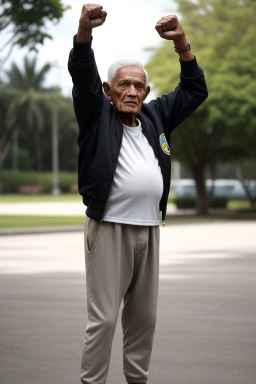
[[124, 85]]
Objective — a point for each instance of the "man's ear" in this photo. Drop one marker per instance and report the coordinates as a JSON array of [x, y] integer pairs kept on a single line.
[[106, 88]]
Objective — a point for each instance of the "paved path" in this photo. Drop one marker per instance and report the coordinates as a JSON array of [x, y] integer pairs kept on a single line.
[[50, 208], [44, 208], [206, 330]]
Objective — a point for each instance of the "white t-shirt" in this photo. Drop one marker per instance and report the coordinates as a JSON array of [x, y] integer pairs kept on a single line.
[[138, 183]]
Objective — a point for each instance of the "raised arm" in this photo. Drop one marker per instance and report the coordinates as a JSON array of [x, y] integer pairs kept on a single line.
[[87, 89], [191, 91]]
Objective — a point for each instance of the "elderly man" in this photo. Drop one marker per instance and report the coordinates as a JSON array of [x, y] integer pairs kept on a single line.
[[124, 178]]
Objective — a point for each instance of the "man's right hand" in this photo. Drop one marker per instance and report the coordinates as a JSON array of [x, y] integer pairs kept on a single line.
[[92, 16]]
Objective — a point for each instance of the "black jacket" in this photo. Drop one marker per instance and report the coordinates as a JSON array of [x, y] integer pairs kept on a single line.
[[101, 130]]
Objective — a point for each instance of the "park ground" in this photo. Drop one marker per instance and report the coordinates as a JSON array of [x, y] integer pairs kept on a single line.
[[206, 315]]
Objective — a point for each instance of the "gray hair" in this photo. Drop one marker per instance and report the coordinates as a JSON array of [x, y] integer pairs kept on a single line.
[[124, 63]]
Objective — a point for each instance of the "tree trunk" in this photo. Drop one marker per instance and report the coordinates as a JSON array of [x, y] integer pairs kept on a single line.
[[201, 198], [5, 144], [246, 183], [4, 153], [212, 172]]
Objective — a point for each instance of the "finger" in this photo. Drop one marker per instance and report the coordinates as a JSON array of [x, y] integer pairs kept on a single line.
[[169, 25], [103, 13], [92, 9], [167, 18], [98, 15], [158, 27], [164, 28], [95, 12]]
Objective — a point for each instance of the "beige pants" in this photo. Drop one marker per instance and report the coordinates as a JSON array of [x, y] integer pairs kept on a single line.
[[122, 263]]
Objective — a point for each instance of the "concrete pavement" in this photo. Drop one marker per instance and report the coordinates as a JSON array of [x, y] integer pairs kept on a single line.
[[43, 208], [206, 330], [51, 208]]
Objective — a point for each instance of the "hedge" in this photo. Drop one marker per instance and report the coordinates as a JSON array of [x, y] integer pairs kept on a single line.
[[190, 202], [14, 181]]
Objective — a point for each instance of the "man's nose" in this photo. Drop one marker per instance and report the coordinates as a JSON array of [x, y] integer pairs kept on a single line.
[[132, 91]]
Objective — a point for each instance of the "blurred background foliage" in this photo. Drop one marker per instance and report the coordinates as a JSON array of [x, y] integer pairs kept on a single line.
[[26, 106], [26, 21], [27, 110]]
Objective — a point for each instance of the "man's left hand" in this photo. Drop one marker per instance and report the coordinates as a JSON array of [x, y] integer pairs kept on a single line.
[[169, 28]]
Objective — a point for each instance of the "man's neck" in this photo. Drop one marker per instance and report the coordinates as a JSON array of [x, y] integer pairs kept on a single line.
[[129, 120]]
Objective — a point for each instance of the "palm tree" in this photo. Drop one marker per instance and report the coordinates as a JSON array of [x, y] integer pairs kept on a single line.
[[7, 132], [25, 91], [29, 77]]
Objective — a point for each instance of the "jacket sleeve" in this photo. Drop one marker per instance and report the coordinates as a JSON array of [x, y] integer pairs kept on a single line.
[[176, 106], [87, 86]]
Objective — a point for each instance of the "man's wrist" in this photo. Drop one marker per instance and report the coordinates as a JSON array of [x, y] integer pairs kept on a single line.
[[82, 50], [83, 34], [180, 43], [183, 48]]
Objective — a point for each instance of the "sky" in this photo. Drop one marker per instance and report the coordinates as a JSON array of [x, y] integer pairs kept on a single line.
[[128, 30]]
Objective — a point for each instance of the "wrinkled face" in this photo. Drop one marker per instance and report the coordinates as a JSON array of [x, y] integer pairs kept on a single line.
[[127, 91]]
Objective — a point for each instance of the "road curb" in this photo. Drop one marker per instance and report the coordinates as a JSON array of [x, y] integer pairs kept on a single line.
[[40, 230]]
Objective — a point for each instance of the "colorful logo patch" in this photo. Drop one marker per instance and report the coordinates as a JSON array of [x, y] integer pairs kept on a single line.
[[164, 145]]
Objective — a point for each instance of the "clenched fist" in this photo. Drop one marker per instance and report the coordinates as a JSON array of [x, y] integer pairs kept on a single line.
[[92, 16], [169, 28]]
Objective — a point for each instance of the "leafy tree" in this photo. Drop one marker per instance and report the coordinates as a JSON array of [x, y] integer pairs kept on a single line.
[[26, 113], [68, 133], [29, 77], [6, 133], [25, 93], [18, 158], [222, 33], [25, 21]]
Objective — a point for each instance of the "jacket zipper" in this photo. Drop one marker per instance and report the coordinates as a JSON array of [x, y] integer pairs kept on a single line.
[[165, 189], [111, 185]]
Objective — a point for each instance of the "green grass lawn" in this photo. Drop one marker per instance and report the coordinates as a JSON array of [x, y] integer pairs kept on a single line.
[[18, 221], [18, 198], [239, 205]]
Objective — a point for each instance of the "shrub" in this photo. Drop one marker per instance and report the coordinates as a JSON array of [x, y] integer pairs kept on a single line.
[[13, 181], [219, 202], [190, 202], [184, 202], [31, 189]]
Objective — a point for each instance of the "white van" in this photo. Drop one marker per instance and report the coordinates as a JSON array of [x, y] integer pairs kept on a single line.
[[231, 189]]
